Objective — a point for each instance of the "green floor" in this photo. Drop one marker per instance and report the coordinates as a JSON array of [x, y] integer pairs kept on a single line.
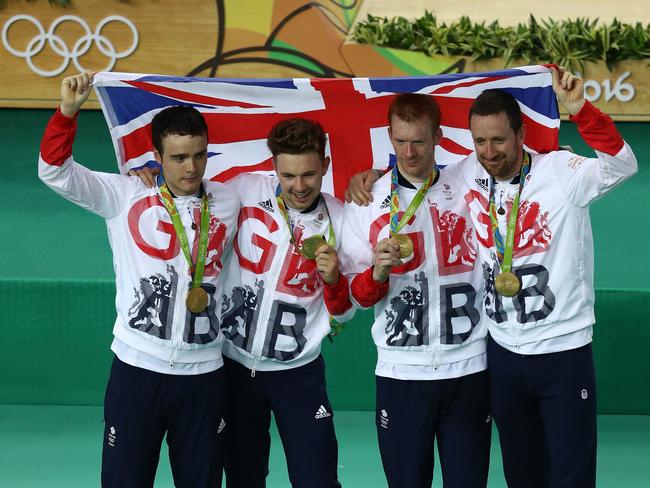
[[60, 446]]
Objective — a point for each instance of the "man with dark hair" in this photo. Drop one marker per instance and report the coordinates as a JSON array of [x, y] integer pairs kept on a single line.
[[168, 246], [490, 100], [279, 312], [179, 120], [536, 247], [297, 136], [412, 255]]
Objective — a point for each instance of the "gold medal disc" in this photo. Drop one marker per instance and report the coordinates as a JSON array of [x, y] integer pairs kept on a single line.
[[311, 245], [507, 284], [405, 245], [196, 300]]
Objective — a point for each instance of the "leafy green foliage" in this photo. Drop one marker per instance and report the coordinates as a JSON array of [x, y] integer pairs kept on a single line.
[[570, 43]]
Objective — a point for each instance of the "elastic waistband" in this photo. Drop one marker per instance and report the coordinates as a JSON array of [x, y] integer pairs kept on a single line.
[[428, 357]]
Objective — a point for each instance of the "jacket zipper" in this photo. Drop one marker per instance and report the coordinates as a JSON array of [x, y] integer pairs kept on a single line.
[[179, 306], [434, 318], [260, 333]]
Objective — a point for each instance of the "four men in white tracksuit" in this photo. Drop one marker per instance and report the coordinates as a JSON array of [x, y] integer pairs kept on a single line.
[[485, 263]]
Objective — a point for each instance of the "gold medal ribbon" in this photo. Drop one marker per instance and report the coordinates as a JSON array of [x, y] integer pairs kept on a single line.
[[335, 327], [505, 250], [331, 238], [396, 224], [507, 283], [168, 202]]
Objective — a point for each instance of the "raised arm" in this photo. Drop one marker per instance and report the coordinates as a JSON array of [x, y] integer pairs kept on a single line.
[[586, 179], [101, 193]]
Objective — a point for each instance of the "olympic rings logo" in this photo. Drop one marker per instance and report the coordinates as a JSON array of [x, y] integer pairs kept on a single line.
[[58, 45]]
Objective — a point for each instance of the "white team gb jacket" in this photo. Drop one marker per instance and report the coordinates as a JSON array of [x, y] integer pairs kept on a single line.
[[430, 315], [553, 247], [153, 328], [274, 316]]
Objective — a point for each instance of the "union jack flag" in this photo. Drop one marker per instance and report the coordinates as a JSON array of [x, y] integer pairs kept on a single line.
[[353, 112]]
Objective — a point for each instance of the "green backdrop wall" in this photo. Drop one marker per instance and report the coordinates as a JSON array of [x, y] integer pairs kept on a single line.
[[56, 289]]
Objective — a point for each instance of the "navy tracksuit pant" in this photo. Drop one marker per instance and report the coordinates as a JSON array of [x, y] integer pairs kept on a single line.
[[455, 412], [142, 406], [303, 414], [544, 406]]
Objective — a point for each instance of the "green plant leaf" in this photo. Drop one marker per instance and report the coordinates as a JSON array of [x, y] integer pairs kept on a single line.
[[570, 43]]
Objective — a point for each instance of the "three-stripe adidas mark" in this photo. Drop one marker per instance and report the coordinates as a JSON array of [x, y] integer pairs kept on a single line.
[[267, 205], [482, 182], [321, 413]]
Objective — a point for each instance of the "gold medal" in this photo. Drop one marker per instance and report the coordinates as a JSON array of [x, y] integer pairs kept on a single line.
[[405, 245], [196, 300], [311, 245], [507, 284]]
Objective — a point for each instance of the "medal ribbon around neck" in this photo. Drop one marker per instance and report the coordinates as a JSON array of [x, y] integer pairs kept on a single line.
[[168, 202], [335, 327], [505, 250], [331, 238], [396, 224]]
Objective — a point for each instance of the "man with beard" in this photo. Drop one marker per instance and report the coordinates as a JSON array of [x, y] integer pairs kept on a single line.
[[536, 247]]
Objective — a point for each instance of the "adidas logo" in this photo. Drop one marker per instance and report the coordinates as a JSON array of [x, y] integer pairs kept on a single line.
[[222, 425], [321, 413], [383, 419], [267, 205], [482, 182], [385, 203], [111, 436]]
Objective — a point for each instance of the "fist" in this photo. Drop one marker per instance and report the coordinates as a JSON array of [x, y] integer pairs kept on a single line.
[[74, 92], [327, 262], [386, 256]]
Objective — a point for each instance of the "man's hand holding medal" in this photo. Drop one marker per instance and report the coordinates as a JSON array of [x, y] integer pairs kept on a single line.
[[386, 256]]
